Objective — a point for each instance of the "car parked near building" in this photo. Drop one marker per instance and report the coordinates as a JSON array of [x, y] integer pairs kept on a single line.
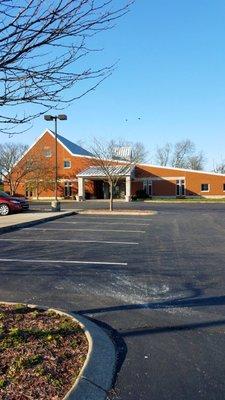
[[9, 204], [23, 201]]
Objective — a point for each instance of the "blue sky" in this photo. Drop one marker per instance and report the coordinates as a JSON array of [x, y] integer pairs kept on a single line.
[[171, 75]]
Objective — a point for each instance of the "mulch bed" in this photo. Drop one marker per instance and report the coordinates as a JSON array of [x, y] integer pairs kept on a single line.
[[41, 353]]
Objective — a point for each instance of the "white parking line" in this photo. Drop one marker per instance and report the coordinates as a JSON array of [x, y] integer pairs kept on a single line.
[[60, 261], [82, 230], [97, 223], [66, 240], [115, 218]]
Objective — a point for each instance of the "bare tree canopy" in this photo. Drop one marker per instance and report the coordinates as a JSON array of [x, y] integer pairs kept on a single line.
[[115, 160], [10, 154], [41, 176], [220, 168], [181, 155], [15, 168], [137, 153], [196, 161], [163, 154], [41, 42]]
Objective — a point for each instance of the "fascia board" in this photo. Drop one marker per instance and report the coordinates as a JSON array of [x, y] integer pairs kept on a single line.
[[62, 144], [180, 169], [35, 142]]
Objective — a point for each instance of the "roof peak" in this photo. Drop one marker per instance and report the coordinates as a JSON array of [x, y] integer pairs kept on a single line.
[[72, 147]]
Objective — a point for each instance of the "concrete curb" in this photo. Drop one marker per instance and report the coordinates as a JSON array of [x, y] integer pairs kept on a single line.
[[20, 225], [95, 379], [96, 376], [117, 212]]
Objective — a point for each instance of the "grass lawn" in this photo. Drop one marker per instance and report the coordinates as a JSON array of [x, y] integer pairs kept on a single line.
[[186, 200], [41, 353]]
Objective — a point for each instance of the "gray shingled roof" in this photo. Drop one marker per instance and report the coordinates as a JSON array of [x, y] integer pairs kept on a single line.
[[95, 171], [74, 148]]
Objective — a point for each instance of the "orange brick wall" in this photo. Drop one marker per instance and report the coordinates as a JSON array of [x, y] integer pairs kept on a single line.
[[78, 163], [164, 179], [193, 180]]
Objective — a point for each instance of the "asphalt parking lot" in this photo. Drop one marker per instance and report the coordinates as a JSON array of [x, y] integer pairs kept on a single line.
[[158, 281]]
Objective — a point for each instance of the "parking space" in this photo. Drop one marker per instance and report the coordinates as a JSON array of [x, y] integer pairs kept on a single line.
[[76, 239], [157, 280], [95, 252]]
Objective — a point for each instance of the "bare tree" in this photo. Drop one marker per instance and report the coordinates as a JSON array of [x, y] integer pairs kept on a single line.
[[114, 162], [10, 153], [42, 175], [220, 168], [34, 170], [196, 161], [136, 150], [182, 151], [163, 154], [181, 155], [41, 43]]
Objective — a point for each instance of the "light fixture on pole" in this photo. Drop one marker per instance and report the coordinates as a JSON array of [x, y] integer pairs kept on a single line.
[[61, 117]]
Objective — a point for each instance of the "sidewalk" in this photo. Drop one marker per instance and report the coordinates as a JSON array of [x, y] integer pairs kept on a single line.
[[16, 221]]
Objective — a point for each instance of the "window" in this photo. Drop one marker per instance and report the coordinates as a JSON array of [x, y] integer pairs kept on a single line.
[[47, 152], [3, 194], [67, 164], [204, 187], [224, 187], [28, 192], [145, 183], [68, 189], [150, 188], [180, 187], [147, 187]]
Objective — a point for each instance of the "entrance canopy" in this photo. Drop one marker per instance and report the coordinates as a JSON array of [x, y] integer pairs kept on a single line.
[[97, 172]]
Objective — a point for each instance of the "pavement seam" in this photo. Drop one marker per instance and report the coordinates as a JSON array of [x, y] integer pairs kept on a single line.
[[95, 384]]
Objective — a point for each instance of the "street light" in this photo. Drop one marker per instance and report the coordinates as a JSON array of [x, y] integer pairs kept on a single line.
[[61, 117]]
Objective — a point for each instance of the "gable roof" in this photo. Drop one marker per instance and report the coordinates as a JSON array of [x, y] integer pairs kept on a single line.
[[76, 150], [73, 147]]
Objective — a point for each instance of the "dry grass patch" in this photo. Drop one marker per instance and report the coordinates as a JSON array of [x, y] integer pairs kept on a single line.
[[41, 353]]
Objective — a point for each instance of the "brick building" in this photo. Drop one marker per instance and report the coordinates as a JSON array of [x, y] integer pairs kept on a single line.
[[80, 179]]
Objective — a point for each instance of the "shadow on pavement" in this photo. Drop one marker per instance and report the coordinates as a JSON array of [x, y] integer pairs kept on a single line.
[[177, 303], [168, 329]]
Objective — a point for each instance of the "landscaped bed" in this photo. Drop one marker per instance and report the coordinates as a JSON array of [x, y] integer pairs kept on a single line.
[[41, 353]]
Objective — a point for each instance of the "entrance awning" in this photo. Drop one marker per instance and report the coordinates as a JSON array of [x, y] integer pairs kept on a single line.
[[97, 172]]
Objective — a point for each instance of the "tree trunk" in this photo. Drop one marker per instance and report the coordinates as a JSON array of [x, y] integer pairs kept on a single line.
[[12, 189], [37, 190], [111, 196]]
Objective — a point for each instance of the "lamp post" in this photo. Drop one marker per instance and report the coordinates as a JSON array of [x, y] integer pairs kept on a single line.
[[62, 117]]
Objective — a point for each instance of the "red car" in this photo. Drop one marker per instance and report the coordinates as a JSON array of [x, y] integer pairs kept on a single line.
[[8, 204]]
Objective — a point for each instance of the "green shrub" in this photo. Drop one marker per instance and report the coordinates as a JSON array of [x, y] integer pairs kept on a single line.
[[141, 194]]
